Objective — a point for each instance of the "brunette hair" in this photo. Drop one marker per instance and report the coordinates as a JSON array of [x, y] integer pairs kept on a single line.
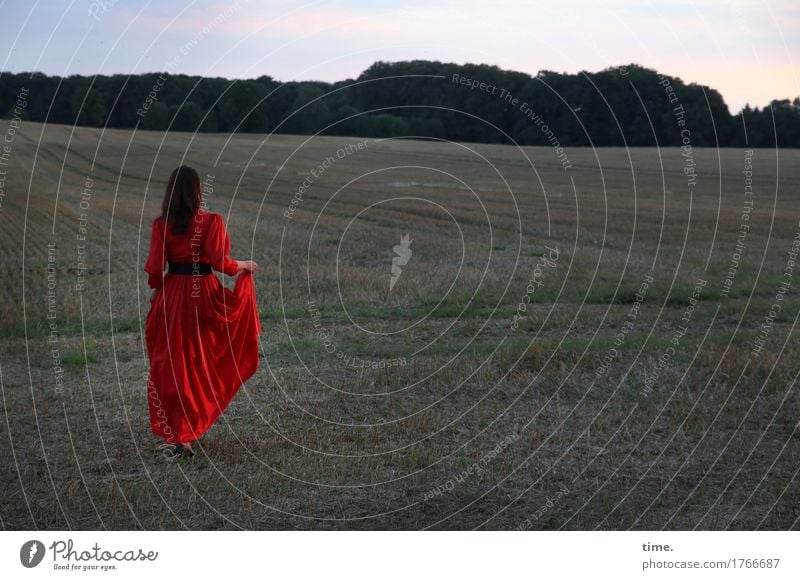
[[181, 199]]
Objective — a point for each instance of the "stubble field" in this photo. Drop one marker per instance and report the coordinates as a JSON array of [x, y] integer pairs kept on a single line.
[[609, 346]]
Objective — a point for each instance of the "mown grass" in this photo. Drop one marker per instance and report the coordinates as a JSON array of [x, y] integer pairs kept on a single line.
[[509, 390]]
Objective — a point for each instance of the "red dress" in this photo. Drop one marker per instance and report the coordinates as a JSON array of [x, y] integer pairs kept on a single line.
[[202, 338]]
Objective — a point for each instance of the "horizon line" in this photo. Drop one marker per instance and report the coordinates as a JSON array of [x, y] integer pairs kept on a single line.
[[466, 63]]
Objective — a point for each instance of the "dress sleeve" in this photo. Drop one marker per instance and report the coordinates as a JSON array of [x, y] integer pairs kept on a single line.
[[154, 266], [217, 246]]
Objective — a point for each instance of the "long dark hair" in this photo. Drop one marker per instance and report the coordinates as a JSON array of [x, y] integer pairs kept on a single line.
[[181, 199]]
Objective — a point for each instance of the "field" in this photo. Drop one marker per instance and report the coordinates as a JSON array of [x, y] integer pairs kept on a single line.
[[604, 344]]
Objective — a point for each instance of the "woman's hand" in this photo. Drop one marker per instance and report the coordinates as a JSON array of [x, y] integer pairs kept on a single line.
[[247, 265]]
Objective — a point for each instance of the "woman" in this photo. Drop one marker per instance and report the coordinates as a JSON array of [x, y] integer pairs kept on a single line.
[[202, 338]]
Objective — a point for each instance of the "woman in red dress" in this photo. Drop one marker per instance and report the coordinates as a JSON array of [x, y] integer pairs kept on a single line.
[[202, 338]]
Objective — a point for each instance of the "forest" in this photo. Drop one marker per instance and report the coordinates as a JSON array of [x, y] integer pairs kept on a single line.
[[621, 106]]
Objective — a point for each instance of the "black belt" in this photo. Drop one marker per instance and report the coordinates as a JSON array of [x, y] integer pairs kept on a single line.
[[190, 268]]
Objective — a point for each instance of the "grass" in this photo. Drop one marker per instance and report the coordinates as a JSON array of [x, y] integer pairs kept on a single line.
[[316, 442], [76, 360]]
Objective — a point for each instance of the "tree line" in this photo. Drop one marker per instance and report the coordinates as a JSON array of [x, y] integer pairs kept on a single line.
[[629, 105]]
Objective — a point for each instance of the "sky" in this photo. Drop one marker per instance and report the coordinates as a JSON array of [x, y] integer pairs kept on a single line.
[[749, 50]]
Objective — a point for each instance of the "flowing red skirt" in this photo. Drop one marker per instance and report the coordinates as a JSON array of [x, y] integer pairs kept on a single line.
[[202, 340]]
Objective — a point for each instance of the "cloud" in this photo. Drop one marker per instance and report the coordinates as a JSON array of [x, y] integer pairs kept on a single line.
[[714, 42]]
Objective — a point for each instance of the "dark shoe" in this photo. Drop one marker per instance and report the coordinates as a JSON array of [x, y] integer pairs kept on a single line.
[[184, 450]]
